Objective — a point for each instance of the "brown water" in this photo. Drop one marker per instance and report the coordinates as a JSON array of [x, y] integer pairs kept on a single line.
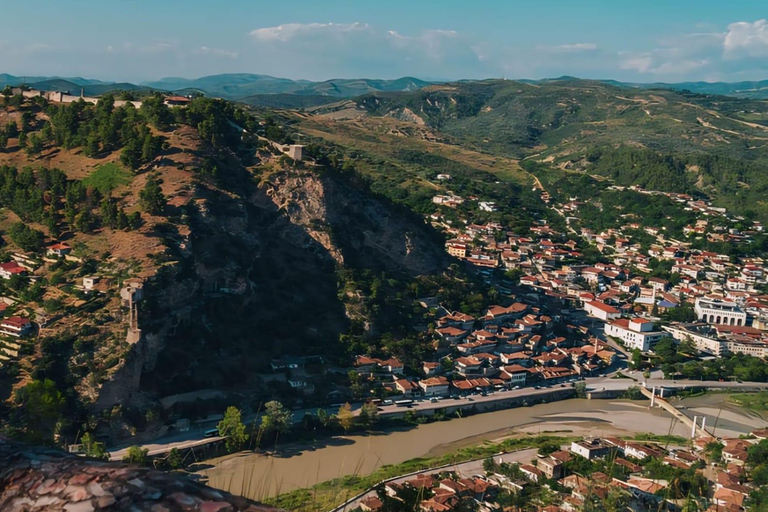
[[259, 476]]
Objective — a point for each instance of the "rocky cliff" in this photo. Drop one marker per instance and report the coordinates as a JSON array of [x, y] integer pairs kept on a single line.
[[34, 479]]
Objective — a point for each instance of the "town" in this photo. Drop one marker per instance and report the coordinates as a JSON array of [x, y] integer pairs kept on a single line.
[[607, 473]]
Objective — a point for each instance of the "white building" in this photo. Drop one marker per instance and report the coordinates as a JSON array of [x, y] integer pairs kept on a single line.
[[296, 152], [700, 335], [719, 312], [601, 310], [636, 333]]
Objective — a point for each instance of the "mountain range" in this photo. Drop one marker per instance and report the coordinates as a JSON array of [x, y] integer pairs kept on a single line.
[[264, 90]]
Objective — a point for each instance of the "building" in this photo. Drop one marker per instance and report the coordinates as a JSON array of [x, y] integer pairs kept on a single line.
[[132, 291], [10, 269], [592, 448], [434, 386], [719, 312], [59, 250], [176, 101], [296, 152], [701, 335], [601, 310], [636, 333], [89, 282], [16, 326], [457, 250]]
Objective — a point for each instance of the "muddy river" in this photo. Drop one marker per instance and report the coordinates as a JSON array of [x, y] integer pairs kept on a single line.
[[259, 476]]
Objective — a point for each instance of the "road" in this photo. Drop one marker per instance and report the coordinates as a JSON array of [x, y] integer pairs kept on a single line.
[[463, 470], [196, 438]]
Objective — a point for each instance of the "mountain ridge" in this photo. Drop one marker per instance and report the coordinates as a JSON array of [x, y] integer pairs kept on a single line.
[[251, 88]]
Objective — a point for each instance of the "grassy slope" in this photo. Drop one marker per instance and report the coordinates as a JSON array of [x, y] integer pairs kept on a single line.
[[491, 125], [107, 177]]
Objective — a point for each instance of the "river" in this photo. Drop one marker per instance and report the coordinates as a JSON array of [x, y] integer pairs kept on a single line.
[[259, 476]]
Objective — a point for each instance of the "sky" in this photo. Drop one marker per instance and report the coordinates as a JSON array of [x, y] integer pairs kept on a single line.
[[629, 40]]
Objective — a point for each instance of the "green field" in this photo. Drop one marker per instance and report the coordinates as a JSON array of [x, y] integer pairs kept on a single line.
[[752, 401], [108, 177]]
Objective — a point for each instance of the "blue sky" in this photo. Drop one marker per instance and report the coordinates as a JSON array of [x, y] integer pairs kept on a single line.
[[638, 40]]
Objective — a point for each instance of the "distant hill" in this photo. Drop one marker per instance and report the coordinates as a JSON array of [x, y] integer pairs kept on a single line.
[[239, 86], [751, 90], [661, 139], [254, 88], [74, 85]]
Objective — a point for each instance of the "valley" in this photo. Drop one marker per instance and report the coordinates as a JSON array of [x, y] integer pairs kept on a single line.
[[187, 276]]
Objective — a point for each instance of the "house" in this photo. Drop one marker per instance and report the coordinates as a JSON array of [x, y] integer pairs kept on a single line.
[[89, 282], [452, 334], [592, 448], [430, 369], [552, 469], [471, 385], [406, 387], [641, 451], [730, 500], [434, 386], [371, 504], [59, 249], [176, 101], [634, 333], [531, 473], [515, 375], [601, 310], [10, 269], [16, 326]]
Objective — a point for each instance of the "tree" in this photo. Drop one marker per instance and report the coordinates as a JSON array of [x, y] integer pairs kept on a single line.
[[175, 460], [152, 198], [581, 389], [637, 358], [714, 451], [369, 414], [666, 349], [40, 406], [93, 448], [323, 417], [232, 427], [276, 418], [345, 417], [136, 455], [28, 239]]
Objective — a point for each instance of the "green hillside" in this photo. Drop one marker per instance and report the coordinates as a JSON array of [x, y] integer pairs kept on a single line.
[[660, 139]]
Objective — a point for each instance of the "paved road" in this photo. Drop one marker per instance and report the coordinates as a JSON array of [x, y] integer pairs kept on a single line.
[[463, 470]]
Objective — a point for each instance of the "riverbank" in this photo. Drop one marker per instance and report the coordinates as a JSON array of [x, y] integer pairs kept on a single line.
[[300, 466], [330, 495]]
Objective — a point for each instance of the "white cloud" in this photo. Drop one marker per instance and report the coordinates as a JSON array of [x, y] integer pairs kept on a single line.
[[569, 48], [215, 52], [291, 31], [679, 67], [638, 63], [745, 39]]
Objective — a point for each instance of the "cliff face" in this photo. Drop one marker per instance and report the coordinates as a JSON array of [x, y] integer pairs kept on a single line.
[[34, 479], [258, 279], [356, 229]]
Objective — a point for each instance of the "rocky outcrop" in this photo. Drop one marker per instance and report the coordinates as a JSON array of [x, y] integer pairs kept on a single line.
[[34, 479], [357, 228]]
